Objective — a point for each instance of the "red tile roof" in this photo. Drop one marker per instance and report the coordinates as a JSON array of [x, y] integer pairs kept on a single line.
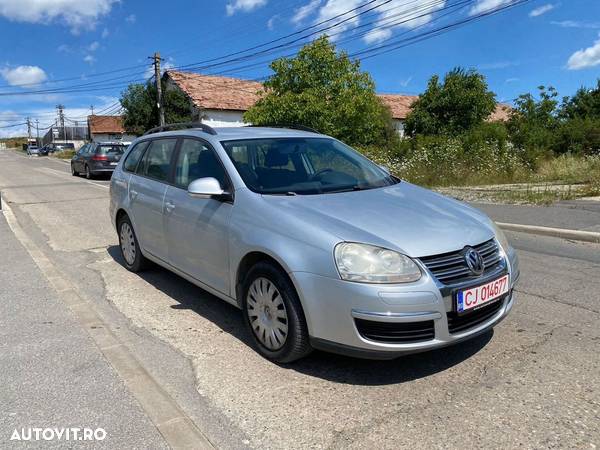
[[211, 92], [106, 124], [399, 104]]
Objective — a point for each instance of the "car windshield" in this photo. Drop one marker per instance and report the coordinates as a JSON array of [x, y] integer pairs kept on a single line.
[[111, 149], [304, 166]]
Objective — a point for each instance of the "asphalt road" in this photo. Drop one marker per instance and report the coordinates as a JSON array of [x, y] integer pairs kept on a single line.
[[534, 382]]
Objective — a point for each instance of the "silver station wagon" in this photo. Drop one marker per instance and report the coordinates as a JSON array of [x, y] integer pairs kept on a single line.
[[317, 245]]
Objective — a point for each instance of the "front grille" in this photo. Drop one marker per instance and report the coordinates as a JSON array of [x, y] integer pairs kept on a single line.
[[457, 324], [451, 268], [396, 333]]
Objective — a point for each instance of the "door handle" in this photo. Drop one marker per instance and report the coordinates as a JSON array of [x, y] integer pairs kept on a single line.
[[133, 194], [169, 206]]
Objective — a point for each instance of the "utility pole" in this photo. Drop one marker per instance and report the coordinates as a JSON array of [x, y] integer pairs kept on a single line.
[[37, 132], [92, 108], [161, 112], [29, 128], [61, 118]]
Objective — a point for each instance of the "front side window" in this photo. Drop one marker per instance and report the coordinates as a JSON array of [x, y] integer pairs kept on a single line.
[[157, 159], [134, 156], [196, 160], [303, 166]]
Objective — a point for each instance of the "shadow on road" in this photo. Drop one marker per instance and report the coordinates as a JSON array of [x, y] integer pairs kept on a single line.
[[335, 368]]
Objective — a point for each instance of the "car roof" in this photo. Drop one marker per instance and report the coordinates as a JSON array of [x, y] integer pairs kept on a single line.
[[233, 133]]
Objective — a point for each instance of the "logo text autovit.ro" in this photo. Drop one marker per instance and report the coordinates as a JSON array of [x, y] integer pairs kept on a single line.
[[58, 434]]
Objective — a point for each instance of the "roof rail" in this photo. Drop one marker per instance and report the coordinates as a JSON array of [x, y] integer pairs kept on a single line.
[[171, 126], [292, 127]]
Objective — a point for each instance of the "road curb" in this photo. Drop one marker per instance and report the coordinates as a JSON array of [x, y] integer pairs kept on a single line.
[[575, 235]]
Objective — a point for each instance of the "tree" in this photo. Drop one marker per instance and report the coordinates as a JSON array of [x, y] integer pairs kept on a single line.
[[585, 104], [459, 104], [327, 91], [533, 122], [141, 112]]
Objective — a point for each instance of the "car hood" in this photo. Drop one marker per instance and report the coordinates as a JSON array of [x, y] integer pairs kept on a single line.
[[404, 217]]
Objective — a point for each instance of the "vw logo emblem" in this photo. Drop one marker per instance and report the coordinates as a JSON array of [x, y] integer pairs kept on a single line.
[[474, 261]]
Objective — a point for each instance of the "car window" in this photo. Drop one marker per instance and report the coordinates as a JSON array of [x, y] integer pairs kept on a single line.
[[197, 160], [110, 149], [83, 149], [156, 161], [134, 156], [303, 166]]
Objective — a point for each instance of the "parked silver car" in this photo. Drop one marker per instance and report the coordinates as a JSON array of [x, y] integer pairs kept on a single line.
[[319, 246]]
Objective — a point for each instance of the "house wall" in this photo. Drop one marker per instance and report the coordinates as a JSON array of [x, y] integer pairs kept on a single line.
[[221, 118], [398, 126]]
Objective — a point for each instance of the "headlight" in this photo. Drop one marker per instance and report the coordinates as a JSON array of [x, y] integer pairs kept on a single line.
[[501, 237], [369, 264]]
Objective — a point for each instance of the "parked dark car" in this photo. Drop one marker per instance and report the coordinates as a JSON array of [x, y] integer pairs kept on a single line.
[[97, 158], [56, 147], [45, 150]]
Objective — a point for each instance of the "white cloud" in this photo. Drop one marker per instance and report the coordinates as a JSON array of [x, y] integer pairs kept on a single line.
[[334, 8], [404, 83], [272, 20], [77, 14], [131, 18], [304, 11], [585, 58], [576, 24], [243, 6], [93, 46], [485, 5], [89, 59], [23, 75], [400, 14], [63, 48], [542, 10], [105, 33]]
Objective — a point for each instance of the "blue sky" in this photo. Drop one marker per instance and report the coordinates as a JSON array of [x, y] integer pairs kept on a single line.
[[41, 41]]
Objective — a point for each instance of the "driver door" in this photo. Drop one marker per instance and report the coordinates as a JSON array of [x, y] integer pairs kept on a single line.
[[196, 229]]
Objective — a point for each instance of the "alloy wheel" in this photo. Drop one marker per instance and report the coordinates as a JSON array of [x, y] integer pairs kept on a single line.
[[267, 313]]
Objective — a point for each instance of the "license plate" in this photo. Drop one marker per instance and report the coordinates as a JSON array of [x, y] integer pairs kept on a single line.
[[113, 163], [481, 295]]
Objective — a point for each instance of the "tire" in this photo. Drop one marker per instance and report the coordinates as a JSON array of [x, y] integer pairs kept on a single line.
[[73, 171], [129, 246], [88, 174], [274, 319]]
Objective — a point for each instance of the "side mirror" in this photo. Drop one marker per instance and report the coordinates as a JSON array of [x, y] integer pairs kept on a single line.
[[206, 188]]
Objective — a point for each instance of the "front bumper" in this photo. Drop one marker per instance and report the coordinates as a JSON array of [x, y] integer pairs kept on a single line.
[[333, 308]]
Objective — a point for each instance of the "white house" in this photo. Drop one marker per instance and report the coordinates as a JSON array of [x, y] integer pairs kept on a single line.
[[222, 101]]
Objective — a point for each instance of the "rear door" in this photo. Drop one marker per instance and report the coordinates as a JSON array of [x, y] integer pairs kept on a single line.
[[147, 188], [79, 158], [197, 230]]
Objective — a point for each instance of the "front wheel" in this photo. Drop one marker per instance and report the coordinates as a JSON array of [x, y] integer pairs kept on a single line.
[[73, 171], [130, 248], [274, 315]]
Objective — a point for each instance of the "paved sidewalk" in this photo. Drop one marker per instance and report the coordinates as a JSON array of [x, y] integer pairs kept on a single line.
[[581, 215], [51, 372]]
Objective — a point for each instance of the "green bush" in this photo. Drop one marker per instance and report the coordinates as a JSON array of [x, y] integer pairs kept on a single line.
[[569, 168]]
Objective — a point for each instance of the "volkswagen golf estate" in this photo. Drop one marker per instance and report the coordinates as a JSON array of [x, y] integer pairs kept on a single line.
[[317, 245]]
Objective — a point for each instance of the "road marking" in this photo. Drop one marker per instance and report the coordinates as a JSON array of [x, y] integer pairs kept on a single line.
[[75, 179], [178, 430]]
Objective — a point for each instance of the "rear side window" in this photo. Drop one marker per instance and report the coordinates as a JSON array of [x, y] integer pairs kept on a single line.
[[134, 156], [157, 159]]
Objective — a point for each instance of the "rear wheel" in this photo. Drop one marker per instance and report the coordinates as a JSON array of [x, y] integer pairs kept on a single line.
[[130, 248], [73, 171], [88, 174], [274, 315]]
